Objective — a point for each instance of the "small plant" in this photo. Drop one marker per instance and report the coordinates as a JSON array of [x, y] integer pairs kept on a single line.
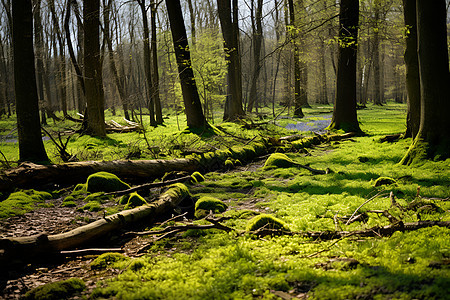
[[106, 259], [266, 221], [278, 160], [91, 206], [206, 204], [132, 200], [105, 182], [57, 290]]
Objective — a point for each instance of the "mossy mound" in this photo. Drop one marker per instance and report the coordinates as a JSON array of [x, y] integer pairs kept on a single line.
[[91, 206], [266, 221], [106, 259], [197, 177], [19, 203], [57, 290], [206, 204], [178, 190], [105, 182], [384, 181], [278, 160], [132, 200]]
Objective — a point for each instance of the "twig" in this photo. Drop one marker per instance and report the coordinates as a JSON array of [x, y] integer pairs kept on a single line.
[[367, 201], [6, 161], [82, 252], [174, 218], [329, 246]]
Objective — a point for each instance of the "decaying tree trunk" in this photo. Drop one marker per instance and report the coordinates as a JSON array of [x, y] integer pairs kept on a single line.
[[29, 174], [23, 248]]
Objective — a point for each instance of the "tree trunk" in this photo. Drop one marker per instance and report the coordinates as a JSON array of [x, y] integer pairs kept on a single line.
[[257, 41], [25, 248], [158, 109], [344, 115], [412, 70], [230, 33], [432, 140], [31, 147], [298, 112], [376, 55], [192, 104], [147, 63], [95, 100]]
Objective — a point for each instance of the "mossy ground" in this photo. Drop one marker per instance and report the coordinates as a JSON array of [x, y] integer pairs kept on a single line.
[[216, 265]]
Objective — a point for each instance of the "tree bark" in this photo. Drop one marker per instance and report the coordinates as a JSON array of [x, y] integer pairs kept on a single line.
[[158, 109], [412, 70], [95, 101], [344, 115], [257, 42], [377, 100], [31, 147], [230, 33], [298, 112], [26, 248], [193, 107], [432, 140]]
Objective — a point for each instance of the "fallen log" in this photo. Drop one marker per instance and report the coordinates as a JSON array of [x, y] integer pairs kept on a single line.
[[20, 249], [32, 175]]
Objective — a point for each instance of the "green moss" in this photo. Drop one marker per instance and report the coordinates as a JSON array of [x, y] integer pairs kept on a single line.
[[99, 197], [92, 206], [266, 221], [384, 181], [206, 204], [68, 204], [178, 190], [197, 177], [229, 163], [19, 203], [105, 182], [106, 259], [57, 290], [132, 200], [278, 160]]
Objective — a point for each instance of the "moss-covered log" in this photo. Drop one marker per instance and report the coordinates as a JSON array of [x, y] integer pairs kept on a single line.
[[32, 175], [23, 248]]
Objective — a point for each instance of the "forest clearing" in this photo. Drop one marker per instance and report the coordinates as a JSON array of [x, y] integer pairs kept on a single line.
[[228, 259]]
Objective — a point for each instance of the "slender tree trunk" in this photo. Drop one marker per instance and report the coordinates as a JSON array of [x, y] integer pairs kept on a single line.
[[344, 115], [158, 108], [376, 55], [412, 70], [147, 62], [230, 31], [432, 140], [192, 104], [257, 41], [298, 112], [31, 147], [95, 100]]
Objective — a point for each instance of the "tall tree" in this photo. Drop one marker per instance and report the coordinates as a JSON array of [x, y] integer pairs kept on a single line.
[[344, 114], [158, 110], [230, 31], [147, 61], [256, 44], [412, 70], [31, 147], [193, 107], [95, 100], [298, 112], [432, 140]]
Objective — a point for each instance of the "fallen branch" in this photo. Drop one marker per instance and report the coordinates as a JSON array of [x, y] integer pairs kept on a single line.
[[367, 201], [25, 248], [90, 251]]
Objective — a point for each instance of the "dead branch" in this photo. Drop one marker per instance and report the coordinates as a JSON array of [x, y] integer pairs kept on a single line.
[[367, 201], [90, 251]]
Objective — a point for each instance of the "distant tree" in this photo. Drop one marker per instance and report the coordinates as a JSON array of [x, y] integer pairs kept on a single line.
[[230, 32], [257, 39], [31, 147], [153, 15], [298, 89], [344, 114], [95, 101], [192, 105], [412, 69], [433, 140]]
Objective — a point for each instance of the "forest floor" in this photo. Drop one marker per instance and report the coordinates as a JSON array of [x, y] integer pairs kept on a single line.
[[212, 264]]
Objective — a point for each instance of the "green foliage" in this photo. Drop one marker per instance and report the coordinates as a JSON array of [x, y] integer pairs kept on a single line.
[[105, 182], [132, 200], [266, 221], [68, 203], [19, 203], [206, 204], [106, 260], [384, 181], [91, 206], [197, 177], [278, 160], [65, 289]]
